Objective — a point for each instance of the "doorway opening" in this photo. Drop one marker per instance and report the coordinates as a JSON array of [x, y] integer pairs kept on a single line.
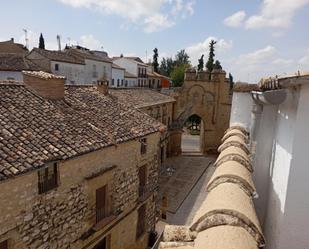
[[192, 135]]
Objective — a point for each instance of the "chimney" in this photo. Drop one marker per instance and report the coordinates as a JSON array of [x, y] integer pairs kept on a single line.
[[102, 86], [44, 84]]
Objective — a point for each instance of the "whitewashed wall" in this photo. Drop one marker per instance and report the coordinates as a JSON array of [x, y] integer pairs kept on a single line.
[[132, 82], [117, 74], [287, 218], [129, 65], [262, 158], [16, 75], [73, 72], [101, 69]]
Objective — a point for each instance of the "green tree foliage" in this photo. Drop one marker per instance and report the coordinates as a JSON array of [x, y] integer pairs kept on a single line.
[[41, 42], [155, 62], [211, 57], [182, 58], [217, 65], [200, 66], [175, 69], [231, 80], [166, 66], [178, 75]]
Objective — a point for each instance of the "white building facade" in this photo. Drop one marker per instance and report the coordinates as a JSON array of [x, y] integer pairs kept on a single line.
[[118, 79], [278, 117], [59, 63], [134, 66]]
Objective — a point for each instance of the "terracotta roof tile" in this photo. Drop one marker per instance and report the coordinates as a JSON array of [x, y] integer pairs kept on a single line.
[[34, 130], [58, 56], [140, 97], [16, 62]]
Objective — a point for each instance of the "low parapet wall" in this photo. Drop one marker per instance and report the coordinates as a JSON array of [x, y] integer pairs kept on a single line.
[[227, 218]]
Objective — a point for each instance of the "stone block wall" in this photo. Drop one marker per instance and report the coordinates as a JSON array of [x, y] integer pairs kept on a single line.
[[65, 217]]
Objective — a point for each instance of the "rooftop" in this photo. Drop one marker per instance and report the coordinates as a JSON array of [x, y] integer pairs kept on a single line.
[[140, 97], [34, 130], [11, 47], [81, 54], [62, 56], [16, 62]]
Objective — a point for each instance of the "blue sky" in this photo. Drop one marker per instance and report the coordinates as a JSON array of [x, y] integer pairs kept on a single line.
[[256, 38]]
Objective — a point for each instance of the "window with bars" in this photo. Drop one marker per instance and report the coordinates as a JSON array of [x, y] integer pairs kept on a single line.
[[4, 244], [101, 203], [141, 225], [48, 178], [143, 145]]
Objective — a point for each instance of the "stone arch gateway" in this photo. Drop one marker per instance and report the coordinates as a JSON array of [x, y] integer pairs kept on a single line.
[[208, 96]]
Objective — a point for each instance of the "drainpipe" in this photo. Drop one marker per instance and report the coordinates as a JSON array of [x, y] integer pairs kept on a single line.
[[273, 97]]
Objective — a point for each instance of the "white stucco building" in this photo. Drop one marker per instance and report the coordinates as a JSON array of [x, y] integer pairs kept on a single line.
[[118, 79], [130, 79], [277, 115], [60, 63], [96, 65], [134, 66]]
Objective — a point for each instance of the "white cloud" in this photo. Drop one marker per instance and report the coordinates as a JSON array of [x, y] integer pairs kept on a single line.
[[155, 15], [276, 14], [257, 57], [235, 20], [196, 50], [265, 62], [303, 62], [89, 41], [157, 22]]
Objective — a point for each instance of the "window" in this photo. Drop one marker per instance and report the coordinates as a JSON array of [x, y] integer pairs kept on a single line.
[[142, 176], [101, 204], [56, 67], [113, 81], [10, 78], [101, 245], [140, 229], [48, 178], [94, 71], [122, 82], [4, 245], [126, 83], [118, 81], [143, 146]]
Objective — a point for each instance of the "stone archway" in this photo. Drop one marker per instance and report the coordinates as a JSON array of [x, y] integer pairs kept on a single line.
[[208, 96]]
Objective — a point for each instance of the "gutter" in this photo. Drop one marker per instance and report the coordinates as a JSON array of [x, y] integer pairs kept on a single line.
[[273, 97]]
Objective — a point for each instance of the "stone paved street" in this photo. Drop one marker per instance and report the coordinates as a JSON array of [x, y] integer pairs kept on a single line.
[[184, 187], [190, 143]]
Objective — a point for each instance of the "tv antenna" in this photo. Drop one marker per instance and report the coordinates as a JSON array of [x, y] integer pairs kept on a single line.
[[26, 38]]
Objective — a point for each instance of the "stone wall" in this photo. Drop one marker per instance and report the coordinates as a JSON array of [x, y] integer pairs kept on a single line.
[[208, 98], [65, 217]]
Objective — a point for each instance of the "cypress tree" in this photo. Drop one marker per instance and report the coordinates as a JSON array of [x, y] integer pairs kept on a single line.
[[41, 42], [155, 62], [211, 57], [200, 63]]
